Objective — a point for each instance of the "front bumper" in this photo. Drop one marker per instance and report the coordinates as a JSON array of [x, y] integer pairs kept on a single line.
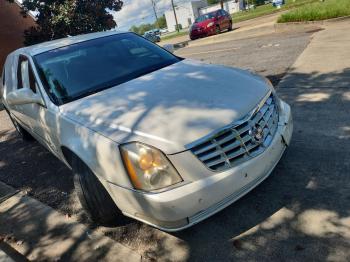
[[191, 203], [203, 32]]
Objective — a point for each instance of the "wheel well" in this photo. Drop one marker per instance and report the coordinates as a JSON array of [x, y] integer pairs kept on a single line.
[[68, 154]]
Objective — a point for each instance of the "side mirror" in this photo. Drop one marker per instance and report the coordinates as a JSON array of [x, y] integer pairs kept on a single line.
[[24, 96], [169, 47]]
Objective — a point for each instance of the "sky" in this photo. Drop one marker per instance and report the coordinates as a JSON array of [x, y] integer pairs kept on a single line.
[[136, 12]]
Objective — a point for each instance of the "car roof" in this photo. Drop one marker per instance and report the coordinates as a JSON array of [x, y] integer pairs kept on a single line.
[[54, 44], [212, 12]]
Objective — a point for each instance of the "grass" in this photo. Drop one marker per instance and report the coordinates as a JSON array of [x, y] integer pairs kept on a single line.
[[317, 11], [268, 9], [172, 35]]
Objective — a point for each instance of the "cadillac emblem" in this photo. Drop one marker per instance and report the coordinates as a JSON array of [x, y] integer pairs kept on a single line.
[[257, 134]]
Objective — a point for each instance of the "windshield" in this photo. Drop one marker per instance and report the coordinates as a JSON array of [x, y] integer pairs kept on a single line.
[[81, 69], [205, 17]]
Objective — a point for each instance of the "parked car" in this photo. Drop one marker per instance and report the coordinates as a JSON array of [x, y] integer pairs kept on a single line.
[[163, 30], [162, 139], [210, 24], [278, 3], [152, 37]]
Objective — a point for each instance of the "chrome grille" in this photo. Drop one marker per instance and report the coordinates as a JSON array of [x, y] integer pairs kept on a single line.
[[237, 142]]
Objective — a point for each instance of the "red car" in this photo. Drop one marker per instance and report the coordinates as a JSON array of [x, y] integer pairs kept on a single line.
[[210, 24]]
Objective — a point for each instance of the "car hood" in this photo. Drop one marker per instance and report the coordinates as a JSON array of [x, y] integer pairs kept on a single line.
[[203, 24], [171, 107]]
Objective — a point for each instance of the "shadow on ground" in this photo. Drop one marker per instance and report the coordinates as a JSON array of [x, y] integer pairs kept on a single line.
[[301, 212]]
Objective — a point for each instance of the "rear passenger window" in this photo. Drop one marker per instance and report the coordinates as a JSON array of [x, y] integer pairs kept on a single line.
[[25, 75]]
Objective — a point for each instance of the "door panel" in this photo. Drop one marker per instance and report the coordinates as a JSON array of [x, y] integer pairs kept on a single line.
[[19, 111], [40, 121], [222, 20]]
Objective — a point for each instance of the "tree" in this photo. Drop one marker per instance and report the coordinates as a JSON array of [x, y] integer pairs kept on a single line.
[[162, 22], [57, 19], [258, 2], [135, 29], [141, 29]]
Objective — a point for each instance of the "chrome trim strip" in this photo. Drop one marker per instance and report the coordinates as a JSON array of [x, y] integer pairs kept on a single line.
[[223, 158]]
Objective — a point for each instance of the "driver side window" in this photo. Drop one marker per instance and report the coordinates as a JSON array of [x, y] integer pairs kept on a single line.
[[25, 75]]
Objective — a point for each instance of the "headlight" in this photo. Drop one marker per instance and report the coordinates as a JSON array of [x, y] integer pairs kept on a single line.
[[148, 168], [210, 24]]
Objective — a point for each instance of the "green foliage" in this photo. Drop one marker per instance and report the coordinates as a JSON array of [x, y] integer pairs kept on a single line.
[[213, 2], [141, 29], [178, 27], [257, 2], [269, 9], [57, 19], [162, 22], [318, 11], [174, 35]]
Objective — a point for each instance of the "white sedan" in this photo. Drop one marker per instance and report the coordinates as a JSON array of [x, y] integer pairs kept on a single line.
[[162, 139]]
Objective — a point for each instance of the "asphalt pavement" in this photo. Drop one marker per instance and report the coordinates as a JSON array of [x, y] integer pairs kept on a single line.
[[270, 55]]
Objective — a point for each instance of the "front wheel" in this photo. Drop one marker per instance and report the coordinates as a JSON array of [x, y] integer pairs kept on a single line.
[[217, 30], [93, 197], [230, 27]]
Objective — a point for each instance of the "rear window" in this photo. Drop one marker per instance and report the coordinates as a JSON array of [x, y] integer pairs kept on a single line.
[[205, 17]]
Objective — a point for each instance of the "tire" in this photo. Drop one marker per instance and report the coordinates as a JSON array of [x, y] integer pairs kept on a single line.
[[217, 30], [230, 27], [94, 198], [24, 134]]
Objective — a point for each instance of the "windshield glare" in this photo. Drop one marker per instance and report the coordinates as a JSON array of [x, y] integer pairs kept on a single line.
[[205, 17], [81, 69]]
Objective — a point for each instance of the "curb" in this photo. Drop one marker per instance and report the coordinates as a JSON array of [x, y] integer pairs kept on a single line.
[[8, 254], [39, 232], [4, 257], [173, 47]]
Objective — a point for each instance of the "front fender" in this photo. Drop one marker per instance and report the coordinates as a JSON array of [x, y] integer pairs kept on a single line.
[[99, 153]]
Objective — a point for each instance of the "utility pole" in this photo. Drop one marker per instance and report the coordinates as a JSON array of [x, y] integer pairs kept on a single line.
[[222, 4], [155, 11], [177, 24]]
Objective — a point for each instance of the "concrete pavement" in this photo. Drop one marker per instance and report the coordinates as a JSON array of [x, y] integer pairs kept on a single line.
[[4, 257], [40, 233], [327, 58]]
